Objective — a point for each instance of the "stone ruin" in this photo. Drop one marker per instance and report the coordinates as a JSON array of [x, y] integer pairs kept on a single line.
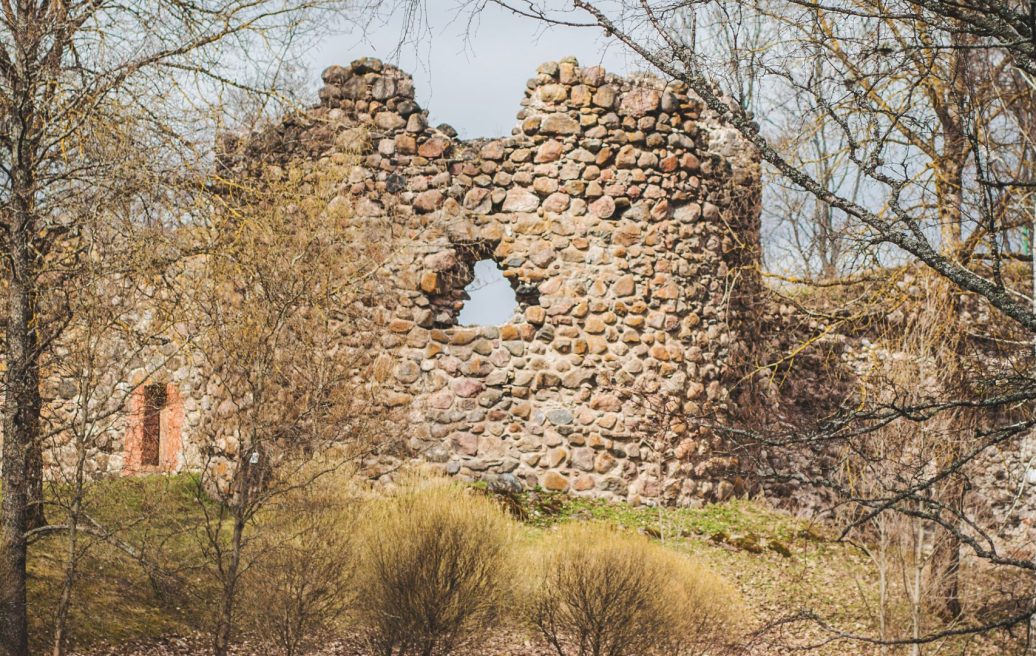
[[625, 216]]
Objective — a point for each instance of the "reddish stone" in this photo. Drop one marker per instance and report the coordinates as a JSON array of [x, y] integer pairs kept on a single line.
[[535, 315], [690, 163], [606, 402], [493, 150], [624, 286], [593, 75], [627, 235], [603, 207], [557, 202], [389, 121], [520, 200], [627, 157], [548, 151], [580, 95], [467, 388], [668, 291], [542, 253], [559, 124], [465, 443], [405, 144], [428, 201], [477, 200], [462, 336], [583, 483], [552, 93], [400, 326], [429, 282], [554, 481], [434, 147], [604, 462], [544, 185], [605, 97], [639, 102]]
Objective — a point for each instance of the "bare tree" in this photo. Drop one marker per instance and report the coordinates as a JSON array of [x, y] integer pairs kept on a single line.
[[72, 74], [927, 135], [118, 319], [274, 304]]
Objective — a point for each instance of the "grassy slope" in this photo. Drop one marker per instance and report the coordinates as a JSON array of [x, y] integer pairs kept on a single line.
[[115, 599], [780, 563]]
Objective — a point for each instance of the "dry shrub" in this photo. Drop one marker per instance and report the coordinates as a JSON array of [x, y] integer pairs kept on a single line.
[[433, 570], [297, 589], [601, 592]]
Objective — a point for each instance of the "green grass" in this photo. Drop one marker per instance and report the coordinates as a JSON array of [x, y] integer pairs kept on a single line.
[[736, 516]]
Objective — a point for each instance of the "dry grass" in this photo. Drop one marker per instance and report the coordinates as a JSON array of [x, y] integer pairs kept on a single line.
[[603, 592], [116, 603], [433, 568]]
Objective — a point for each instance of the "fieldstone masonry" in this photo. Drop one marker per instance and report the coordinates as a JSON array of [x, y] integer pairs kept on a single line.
[[626, 218]]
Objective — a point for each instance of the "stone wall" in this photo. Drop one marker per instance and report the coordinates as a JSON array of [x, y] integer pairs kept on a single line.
[[105, 410], [626, 218]]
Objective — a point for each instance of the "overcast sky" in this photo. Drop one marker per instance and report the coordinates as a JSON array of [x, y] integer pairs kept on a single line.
[[471, 77]]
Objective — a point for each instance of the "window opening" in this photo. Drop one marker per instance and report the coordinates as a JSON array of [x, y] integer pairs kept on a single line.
[[491, 300]]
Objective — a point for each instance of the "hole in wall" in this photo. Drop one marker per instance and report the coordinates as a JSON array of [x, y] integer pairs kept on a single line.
[[491, 300]]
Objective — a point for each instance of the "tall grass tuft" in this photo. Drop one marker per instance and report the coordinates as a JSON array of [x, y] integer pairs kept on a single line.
[[433, 569], [601, 592]]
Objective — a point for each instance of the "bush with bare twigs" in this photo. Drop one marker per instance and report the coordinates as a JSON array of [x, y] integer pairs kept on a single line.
[[601, 592], [297, 590], [433, 569]]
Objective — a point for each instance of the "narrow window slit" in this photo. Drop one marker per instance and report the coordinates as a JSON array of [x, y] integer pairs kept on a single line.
[[151, 436]]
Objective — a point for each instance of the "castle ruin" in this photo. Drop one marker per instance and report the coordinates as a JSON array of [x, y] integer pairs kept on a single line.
[[625, 216]]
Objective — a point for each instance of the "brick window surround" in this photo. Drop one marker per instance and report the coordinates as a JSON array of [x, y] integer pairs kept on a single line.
[[153, 431]]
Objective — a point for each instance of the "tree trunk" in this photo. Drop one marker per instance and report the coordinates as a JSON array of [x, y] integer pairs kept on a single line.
[[14, 635], [916, 589], [949, 183], [225, 620], [75, 513], [954, 606], [20, 264], [35, 511], [21, 422], [65, 601]]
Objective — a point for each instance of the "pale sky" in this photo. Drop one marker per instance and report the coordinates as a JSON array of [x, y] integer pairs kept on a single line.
[[491, 301], [470, 75]]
